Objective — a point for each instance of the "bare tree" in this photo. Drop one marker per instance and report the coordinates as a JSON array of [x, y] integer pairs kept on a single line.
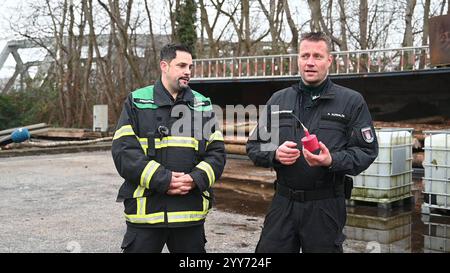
[[408, 38], [243, 28], [154, 63], [292, 26], [124, 44], [275, 20], [343, 21], [426, 16], [319, 23], [213, 42], [443, 6], [174, 6], [363, 14]]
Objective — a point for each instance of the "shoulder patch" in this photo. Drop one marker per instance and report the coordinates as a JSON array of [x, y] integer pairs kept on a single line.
[[367, 134]]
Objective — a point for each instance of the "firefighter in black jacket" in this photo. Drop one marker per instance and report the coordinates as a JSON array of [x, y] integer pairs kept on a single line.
[[308, 209], [169, 151]]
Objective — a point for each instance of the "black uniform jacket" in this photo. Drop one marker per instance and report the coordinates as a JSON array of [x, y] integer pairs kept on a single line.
[[151, 141], [341, 120]]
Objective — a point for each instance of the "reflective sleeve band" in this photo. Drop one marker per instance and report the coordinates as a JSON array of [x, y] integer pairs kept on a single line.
[[204, 166], [148, 172], [125, 130], [216, 136]]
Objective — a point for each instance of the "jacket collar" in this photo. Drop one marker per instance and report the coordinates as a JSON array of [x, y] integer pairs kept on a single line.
[[329, 91], [162, 97]]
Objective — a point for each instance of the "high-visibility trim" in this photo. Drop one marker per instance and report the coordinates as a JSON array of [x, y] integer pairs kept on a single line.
[[186, 216], [171, 141], [205, 201], [216, 136], [144, 144], [141, 205], [139, 192], [176, 141], [152, 218], [172, 217], [125, 130], [204, 166], [148, 172]]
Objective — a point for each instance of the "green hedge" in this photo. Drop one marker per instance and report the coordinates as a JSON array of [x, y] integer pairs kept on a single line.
[[27, 107]]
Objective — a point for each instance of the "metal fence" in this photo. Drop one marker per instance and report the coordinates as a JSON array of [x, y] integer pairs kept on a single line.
[[344, 62]]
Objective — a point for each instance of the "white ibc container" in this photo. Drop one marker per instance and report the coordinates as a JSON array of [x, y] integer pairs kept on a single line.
[[437, 169], [436, 237], [389, 178]]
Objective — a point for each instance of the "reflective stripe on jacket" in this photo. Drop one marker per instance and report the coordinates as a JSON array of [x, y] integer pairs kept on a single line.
[[145, 152]]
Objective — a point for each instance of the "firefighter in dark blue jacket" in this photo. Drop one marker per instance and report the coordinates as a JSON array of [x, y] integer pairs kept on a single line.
[[170, 153], [308, 210]]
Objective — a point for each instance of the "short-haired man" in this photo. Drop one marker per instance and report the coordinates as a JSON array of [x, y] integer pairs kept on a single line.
[[168, 164], [308, 210]]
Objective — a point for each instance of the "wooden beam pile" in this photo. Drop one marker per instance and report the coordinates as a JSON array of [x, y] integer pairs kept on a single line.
[[68, 133]]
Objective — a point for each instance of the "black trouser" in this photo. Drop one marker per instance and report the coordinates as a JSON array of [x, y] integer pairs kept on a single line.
[[312, 226], [152, 240]]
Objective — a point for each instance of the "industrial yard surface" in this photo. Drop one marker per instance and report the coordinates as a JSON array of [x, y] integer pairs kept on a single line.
[[66, 203]]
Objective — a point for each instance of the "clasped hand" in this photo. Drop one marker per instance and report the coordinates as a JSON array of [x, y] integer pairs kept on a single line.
[[180, 184]]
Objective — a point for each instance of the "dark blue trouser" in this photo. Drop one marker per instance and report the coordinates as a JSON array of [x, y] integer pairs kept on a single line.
[[312, 226], [152, 240]]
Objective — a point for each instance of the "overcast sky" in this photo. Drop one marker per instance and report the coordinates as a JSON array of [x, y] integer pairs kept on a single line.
[[7, 9]]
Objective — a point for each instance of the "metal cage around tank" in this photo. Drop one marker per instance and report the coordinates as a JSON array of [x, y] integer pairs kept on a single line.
[[436, 172], [389, 177]]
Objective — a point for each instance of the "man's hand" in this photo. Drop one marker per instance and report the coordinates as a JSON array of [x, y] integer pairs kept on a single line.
[[180, 184], [322, 159], [287, 153]]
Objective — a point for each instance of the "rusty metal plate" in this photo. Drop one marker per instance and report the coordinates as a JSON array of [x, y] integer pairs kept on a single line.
[[440, 40]]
